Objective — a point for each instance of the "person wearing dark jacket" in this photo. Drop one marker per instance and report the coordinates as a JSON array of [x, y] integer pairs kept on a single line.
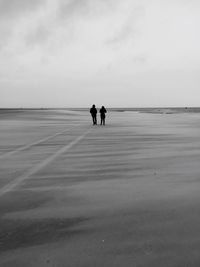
[[93, 112], [103, 115]]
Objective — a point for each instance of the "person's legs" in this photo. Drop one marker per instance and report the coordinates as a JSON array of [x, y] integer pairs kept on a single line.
[[103, 120], [95, 119]]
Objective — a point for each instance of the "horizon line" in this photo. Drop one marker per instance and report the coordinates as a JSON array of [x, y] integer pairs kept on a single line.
[[111, 107]]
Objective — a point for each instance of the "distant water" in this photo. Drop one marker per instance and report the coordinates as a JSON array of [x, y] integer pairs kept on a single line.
[[162, 110]]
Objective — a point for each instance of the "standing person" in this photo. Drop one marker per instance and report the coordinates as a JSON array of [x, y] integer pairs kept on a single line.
[[103, 115], [93, 112]]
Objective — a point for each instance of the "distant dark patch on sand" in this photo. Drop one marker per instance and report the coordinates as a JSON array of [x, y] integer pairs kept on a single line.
[[8, 111], [15, 234], [22, 200], [6, 114], [160, 110], [36, 114]]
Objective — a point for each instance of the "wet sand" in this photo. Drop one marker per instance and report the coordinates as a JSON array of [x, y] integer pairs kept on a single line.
[[77, 195]]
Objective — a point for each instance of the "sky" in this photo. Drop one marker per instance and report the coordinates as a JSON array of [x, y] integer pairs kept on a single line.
[[117, 53]]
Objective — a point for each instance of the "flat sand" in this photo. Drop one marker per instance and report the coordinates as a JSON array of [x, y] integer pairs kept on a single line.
[[76, 195]]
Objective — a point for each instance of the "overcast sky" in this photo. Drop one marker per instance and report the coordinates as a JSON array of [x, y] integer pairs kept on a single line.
[[73, 53]]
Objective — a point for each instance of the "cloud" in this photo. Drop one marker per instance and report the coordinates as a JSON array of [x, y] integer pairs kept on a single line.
[[67, 21], [38, 36], [67, 9], [12, 8], [14, 14], [85, 7], [61, 22], [128, 28]]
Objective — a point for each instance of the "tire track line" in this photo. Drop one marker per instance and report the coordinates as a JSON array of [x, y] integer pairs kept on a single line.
[[10, 186], [10, 153]]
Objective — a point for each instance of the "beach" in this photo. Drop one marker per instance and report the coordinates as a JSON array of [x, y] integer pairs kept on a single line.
[[77, 195]]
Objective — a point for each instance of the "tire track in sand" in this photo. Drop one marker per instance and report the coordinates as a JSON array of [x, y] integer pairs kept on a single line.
[[13, 184], [10, 153]]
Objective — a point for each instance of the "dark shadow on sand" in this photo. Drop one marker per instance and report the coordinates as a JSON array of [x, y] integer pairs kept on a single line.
[[15, 234]]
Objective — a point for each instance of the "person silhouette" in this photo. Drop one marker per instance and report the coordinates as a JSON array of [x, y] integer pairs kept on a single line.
[[103, 115], [93, 112]]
